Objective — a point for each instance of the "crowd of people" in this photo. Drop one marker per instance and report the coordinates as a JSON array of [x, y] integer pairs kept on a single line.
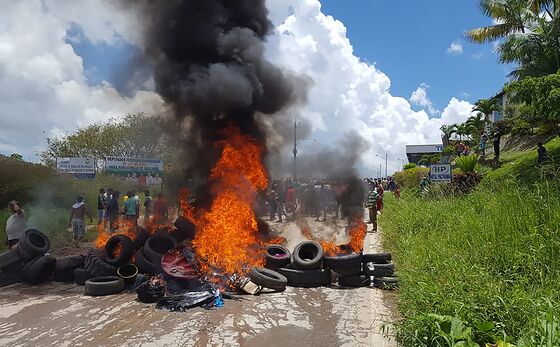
[[321, 197]]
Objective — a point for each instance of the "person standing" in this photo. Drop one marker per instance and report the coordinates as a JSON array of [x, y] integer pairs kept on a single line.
[[380, 192], [272, 203], [101, 206], [15, 225], [371, 205], [160, 210], [543, 154], [113, 209], [497, 138], [77, 223], [148, 202], [131, 208]]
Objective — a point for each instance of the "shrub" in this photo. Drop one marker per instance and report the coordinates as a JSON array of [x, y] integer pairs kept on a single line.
[[411, 178], [467, 163], [409, 166]]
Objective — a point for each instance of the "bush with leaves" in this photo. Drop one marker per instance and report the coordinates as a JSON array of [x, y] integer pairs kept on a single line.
[[467, 163]]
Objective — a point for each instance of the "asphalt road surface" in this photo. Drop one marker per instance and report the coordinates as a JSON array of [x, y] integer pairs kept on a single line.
[[60, 315]]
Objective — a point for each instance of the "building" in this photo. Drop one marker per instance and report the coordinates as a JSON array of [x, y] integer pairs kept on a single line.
[[502, 100], [415, 152]]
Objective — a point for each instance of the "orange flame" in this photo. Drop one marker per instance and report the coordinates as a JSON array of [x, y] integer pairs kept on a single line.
[[226, 237]]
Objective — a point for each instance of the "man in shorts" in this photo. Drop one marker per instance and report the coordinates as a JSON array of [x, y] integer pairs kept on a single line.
[[77, 223]]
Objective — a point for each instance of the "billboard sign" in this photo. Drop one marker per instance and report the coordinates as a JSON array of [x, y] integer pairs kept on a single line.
[[136, 171], [81, 168], [440, 173]]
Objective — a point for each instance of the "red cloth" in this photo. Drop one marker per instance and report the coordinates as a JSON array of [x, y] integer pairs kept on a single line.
[[290, 195]]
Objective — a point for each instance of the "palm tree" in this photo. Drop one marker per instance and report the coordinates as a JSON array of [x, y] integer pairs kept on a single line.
[[448, 131], [486, 107], [462, 130], [510, 17], [475, 124], [547, 6]]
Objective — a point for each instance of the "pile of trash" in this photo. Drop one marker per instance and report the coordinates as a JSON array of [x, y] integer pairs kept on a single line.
[[162, 270]]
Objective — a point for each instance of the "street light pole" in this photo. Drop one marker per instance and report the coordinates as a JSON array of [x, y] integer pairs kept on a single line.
[[386, 164]]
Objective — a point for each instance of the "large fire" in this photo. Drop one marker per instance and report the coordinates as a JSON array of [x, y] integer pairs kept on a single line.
[[226, 237]]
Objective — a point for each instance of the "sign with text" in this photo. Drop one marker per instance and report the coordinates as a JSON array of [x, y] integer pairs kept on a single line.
[[129, 166], [82, 168], [440, 173]]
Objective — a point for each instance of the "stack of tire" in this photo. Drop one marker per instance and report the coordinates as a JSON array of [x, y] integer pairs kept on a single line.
[[301, 268], [380, 267], [28, 262], [349, 269]]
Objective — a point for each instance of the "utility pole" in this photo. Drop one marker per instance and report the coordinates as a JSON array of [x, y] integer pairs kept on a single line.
[[386, 163], [295, 150]]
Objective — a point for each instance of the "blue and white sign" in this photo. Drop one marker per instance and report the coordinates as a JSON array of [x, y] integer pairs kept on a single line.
[[81, 168], [441, 173]]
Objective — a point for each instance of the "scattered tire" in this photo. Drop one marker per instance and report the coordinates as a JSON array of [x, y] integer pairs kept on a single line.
[[277, 256], [268, 278], [144, 265], [128, 273], [306, 278], [355, 281], [101, 286], [33, 244], [64, 275], [377, 258], [346, 265], [141, 236], [39, 270], [185, 229], [11, 261], [81, 275], [387, 283], [9, 278], [118, 250], [157, 245], [70, 263], [307, 255], [98, 267], [379, 270]]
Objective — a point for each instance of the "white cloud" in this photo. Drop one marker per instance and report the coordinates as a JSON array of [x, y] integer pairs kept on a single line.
[[456, 48], [478, 56], [43, 90], [420, 97]]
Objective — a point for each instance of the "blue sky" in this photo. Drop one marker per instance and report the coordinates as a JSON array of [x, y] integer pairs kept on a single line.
[[407, 40]]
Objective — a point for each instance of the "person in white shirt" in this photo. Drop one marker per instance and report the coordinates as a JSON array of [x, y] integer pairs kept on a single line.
[[15, 225]]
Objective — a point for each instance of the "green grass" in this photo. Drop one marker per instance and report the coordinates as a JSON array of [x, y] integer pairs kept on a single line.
[[492, 256]]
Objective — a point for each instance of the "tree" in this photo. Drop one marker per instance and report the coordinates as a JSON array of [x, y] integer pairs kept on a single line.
[[539, 96], [486, 107], [509, 17], [136, 136], [16, 156], [448, 131], [429, 159], [475, 124], [462, 130]]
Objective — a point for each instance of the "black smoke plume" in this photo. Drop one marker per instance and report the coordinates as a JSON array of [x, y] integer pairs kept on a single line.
[[210, 69]]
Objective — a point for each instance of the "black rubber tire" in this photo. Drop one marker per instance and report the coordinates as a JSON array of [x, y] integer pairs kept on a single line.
[[64, 276], [9, 278], [268, 278], [101, 286], [387, 283], [346, 265], [307, 255], [157, 245], [127, 250], [272, 259], [128, 273], [39, 270], [33, 244], [11, 261], [98, 267], [144, 265], [377, 258], [306, 278], [379, 270], [70, 263], [141, 236], [355, 281], [81, 276], [185, 230]]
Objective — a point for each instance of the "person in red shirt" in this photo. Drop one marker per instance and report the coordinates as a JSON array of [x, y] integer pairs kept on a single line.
[[380, 191], [160, 210], [291, 200]]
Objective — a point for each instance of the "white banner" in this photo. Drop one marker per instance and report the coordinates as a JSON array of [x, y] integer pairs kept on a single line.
[[441, 173], [79, 167]]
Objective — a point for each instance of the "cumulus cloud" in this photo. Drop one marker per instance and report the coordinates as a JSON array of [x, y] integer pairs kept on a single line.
[[456, 48], [43, 89], [420, 98]]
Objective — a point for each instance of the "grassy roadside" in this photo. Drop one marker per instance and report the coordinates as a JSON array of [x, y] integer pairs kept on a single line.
[[482, 267]]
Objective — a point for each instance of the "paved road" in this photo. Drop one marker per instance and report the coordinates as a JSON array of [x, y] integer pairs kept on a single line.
[[60, 315]]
